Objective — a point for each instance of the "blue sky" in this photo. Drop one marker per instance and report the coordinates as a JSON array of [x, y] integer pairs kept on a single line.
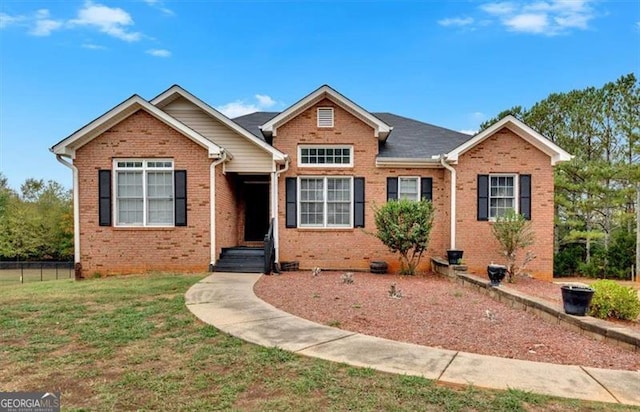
[[454, 64]]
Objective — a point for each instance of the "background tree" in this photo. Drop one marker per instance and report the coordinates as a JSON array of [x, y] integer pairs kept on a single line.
[[404, 227], [596, 194], [36, 223]]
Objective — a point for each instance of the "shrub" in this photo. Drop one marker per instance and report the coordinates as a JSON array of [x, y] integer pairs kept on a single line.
[[513, 232], [612, 300], [404, 227]]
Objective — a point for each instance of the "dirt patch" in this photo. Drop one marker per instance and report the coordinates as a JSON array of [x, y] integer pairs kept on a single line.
[[434, 311]]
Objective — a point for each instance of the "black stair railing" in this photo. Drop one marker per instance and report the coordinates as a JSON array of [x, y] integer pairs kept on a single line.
[[269, 249]]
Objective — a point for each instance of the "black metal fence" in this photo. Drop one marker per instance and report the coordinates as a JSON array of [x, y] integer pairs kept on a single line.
[[13, 272]]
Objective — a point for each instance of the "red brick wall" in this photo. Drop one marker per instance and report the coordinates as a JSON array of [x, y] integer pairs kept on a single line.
[[227, 211], [504, 152], [107, 250], [348, 248]]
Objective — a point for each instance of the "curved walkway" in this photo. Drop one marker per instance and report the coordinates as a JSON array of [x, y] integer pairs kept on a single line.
[[227, 301]]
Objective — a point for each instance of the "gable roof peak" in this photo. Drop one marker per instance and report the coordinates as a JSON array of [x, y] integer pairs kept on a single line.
[[380, 129], [555, 152], [176, 91]]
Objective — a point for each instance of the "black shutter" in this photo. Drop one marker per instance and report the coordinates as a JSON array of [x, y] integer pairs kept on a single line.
[[392, 188], [426, 188], [180, 195], [525, 196], [291, 219], [483, 197], [104, 197], [358, 204]]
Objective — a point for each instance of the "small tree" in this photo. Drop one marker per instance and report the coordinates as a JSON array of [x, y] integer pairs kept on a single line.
[[404, 227], [513, 232]]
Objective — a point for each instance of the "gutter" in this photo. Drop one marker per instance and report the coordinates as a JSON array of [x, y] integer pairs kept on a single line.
[[274, 194], [212, 204], [76, 209], [443, 162]]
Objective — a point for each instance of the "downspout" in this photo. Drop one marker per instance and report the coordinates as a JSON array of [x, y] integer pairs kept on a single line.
[[212, 205], [274, 213], [443, 162], [76, 209]]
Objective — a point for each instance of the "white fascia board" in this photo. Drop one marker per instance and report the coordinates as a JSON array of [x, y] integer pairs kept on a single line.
[[381, 129], [402, 162], [69, 145], [176, 91], [555, 152]]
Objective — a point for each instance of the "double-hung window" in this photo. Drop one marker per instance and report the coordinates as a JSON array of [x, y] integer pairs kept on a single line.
[[409, 188], [144, 192], [502, 194], [326, 201]]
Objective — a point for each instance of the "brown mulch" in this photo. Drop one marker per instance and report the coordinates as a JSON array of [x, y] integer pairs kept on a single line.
[[434, 311]]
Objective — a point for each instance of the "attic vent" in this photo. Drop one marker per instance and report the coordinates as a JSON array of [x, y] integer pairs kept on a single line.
[[325, 117]]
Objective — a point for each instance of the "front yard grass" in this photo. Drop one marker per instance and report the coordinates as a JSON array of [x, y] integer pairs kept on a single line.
[[129, 343]]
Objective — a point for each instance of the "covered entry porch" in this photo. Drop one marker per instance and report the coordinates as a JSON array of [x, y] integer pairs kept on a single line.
[[250, 247]]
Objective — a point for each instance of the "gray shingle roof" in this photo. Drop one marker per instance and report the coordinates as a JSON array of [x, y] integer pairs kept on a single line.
[[410, 139], [414, 139], [253, 121]]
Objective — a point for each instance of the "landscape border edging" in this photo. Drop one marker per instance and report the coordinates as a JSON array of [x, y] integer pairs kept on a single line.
[[586, 325]]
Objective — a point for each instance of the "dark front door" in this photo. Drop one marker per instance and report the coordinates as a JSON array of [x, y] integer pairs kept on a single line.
[[256, 209]]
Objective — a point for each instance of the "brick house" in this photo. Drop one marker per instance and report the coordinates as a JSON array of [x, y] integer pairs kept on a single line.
[[171, 184]]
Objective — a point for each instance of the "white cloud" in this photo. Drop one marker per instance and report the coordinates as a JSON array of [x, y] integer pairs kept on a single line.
[[498, 8], [468, 131], [456, 21], [92, 46], [240, 107], [549, 18], [112, 21], [157, 4], [528, 23], [264, 100], [541, 17], [159, 52], [44, 25], [7, 20]]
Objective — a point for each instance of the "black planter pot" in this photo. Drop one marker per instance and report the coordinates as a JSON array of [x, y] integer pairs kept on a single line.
[[454, 256], [576, 299], [378, 266], [496, 274]]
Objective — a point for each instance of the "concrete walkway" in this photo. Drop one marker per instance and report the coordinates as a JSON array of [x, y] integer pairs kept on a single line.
[[227, 301]]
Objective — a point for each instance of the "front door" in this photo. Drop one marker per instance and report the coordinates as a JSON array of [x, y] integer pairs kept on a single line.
[[256, 211]]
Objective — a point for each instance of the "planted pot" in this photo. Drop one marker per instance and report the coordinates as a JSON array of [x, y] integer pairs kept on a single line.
[[454, 256], [576, 299], [378, 266], [496, 274]]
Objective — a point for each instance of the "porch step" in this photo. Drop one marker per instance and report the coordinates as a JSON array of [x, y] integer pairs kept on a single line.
[[240, 259]]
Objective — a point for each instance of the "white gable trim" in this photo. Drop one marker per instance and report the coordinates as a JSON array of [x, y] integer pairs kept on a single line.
[[69, 145], [555, 152], [176, 91], [380, 129]]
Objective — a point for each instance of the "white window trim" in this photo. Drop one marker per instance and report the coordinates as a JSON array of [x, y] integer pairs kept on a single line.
[[324, 210], [325, 165], [419, 187], [516, 193], [144, 168], [332, 117]]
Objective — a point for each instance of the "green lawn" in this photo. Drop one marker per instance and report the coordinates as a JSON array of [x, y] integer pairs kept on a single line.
[[129, 343]]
